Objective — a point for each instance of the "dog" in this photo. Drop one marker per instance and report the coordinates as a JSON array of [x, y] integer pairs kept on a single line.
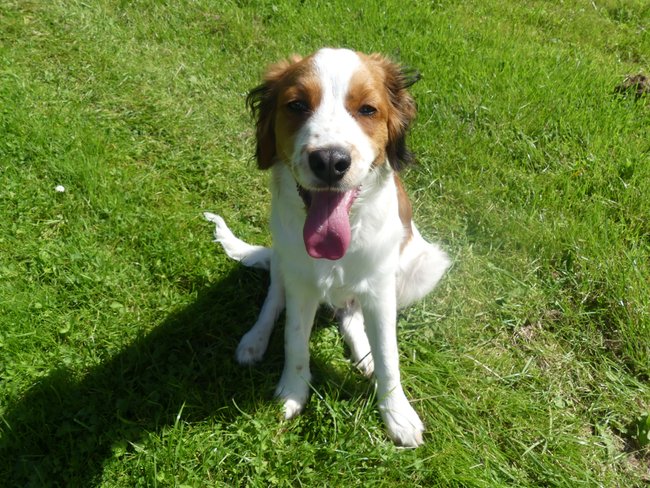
[[332, 128]]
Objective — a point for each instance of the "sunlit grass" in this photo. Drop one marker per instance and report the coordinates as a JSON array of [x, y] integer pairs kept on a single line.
[[119, 317]]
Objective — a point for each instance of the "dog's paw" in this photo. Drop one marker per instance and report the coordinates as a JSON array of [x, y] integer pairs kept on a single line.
[[404, 425], [292, 408], [251, 348], [366, 365], [293, 394]]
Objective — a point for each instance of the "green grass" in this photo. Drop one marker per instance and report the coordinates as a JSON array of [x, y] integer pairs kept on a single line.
[[119, 317]]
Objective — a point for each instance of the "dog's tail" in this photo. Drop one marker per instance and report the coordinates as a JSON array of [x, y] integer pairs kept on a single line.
[[247, 254]]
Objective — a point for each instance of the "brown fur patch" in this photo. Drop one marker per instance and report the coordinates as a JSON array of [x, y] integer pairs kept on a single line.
[[300, 85], [405, 211], [402, 109], [367, 88], [280, 86]]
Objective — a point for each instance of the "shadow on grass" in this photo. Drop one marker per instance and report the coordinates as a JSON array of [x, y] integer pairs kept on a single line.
[[64, 428]]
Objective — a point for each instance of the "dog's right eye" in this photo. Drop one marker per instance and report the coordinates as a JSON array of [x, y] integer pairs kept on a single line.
[[367, 110], [298, 106]]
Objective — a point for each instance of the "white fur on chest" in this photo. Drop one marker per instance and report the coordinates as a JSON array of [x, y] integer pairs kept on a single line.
[[373, 253]]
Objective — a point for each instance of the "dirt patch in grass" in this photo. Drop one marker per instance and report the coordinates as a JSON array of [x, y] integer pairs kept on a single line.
[[634, 85], [530, 330]]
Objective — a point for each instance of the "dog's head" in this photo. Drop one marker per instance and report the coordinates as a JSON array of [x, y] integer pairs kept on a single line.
[[334, 118]]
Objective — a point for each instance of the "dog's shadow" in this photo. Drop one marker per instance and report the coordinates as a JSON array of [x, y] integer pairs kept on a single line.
[[66, 426]]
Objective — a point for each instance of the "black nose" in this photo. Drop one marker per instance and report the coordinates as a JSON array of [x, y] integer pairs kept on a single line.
[[330, 164]]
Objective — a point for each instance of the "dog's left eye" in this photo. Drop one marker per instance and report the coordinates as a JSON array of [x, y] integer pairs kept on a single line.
[[298, 106], [367, 110]]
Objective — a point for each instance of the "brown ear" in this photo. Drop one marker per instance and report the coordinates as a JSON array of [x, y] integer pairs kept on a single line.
[[402, 110], [262, 103]]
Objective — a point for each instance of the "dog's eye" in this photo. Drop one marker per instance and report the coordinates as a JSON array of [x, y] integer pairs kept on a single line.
[[298, 106], [367, 110]]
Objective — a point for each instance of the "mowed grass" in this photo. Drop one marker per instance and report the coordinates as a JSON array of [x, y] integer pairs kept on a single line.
[[119, 317]]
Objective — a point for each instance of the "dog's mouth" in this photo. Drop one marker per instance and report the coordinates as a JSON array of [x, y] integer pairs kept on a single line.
[[327, 231]]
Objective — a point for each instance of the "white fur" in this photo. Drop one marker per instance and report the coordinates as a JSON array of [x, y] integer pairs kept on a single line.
[[366, 285]]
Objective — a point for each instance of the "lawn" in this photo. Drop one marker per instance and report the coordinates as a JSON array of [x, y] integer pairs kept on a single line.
[[119, 316]]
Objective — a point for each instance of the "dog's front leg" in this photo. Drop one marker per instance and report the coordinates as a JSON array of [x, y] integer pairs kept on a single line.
[[253, 345], [293, 389], [380, 313]]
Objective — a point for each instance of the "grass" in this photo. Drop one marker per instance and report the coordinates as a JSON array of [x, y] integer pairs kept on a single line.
[[119, 317]]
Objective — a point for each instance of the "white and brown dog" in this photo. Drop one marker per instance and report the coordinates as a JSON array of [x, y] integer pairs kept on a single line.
[[331, 127]]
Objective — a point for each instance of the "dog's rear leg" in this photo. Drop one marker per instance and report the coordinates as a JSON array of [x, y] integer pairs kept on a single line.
[[421, 266], [354, 333], [254, 343]]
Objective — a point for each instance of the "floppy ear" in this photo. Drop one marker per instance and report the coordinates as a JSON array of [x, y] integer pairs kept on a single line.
[[262, 102], [402, 111]]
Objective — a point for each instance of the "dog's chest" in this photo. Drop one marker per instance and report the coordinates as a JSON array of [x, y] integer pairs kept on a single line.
[[372, 255], [338, 283], [335, 283]]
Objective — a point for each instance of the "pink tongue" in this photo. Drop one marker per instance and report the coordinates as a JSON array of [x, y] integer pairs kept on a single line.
[[327, 228]]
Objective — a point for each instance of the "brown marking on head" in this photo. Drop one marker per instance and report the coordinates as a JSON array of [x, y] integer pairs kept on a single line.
[[367, 100], [289, 93], [393, 81], [299, 95]]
